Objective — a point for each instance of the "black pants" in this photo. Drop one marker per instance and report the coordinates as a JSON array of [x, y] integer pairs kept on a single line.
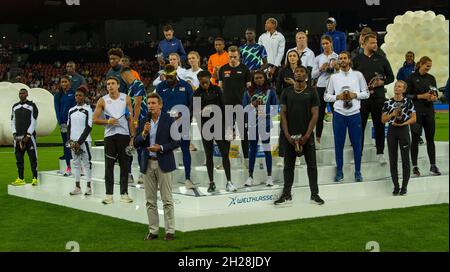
[[322, 111], [224, 147], [115, 149], [309, 151], [30, 148], [374, 107], [243, 134], [426, 121], [399, 136]]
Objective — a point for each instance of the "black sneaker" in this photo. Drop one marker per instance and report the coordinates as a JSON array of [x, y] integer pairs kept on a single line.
[[211, 187], [284, 199], [315, 199], [62, 158], [396, 191], [434, 171], [403, 192], [416, 171]]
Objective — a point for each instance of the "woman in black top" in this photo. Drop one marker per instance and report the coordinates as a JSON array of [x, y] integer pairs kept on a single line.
[[399, 113], [211, 95], [292, 61], [422, 90]]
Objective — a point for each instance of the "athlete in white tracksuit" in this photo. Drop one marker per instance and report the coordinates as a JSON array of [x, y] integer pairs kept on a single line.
[[79, 128]]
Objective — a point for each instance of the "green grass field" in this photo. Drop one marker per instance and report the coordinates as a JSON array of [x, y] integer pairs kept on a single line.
[[28, 225]]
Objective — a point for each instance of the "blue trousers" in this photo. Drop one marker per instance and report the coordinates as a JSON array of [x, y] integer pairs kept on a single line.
[[253, 149], [186, 157], [340, 125], [67, 152]]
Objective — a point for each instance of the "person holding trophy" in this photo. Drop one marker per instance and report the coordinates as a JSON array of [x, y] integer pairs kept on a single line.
[[79, 126], [399, 113], [346, 89], [23, 125], [299, 114], [423, 92]]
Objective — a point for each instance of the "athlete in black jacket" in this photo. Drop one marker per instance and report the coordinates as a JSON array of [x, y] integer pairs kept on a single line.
[[23, 124]]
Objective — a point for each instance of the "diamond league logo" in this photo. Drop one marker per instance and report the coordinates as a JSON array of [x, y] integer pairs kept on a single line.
[[251, 199]]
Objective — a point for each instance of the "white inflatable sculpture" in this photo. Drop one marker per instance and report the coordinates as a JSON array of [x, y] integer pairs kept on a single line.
[[425, 34], [9, 95]]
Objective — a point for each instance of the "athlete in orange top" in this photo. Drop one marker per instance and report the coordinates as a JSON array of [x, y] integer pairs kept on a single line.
[[125, 62], [217, 60]]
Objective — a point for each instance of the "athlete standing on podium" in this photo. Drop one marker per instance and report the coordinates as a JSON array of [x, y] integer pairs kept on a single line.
[[118, 129]]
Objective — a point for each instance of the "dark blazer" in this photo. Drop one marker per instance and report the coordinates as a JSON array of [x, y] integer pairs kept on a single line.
[[166, 159]]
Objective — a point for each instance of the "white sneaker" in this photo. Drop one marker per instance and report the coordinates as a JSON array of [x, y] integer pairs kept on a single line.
[[297, 162], [269, 181], [246, 163], [188, 184], [130, 178], [141, 179], [249, 182], [88, 191], [219, 167], [108, 200], [280, 164], [76, 191], [381, 159], [125, 198], [230, 187]]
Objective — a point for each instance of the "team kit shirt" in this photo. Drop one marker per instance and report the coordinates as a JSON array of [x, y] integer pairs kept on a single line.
[[407, 107], [181, 94], [234, 80], [137, 89], [252, 55], [79, 122]]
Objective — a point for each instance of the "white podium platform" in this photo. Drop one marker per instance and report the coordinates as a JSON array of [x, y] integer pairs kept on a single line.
[[253, 205]]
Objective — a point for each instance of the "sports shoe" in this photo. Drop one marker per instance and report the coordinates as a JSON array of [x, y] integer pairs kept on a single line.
[[62, 158], [188, 184], [125, 198], [18, 182], [249, 182], [230, 187], [284, 199], [108, 200], [339, 176], [315, 199], [219, 167], [88, 191], [280, 164], [381, 159], [358, 177], [416, 171], [211, 187], [269, 181], [297, 163], [396, 191], [403, 192], [76, 191], [141, 179], [434, 171], [130, 178], [68, 172], [34, 182]]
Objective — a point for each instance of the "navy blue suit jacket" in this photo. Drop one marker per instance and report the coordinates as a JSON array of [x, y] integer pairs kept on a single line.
[[166, 159]]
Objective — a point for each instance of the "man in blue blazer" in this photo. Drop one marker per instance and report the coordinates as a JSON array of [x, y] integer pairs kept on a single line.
[[157, 161]]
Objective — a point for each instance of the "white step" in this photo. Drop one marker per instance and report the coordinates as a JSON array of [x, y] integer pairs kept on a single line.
[[249, 207]]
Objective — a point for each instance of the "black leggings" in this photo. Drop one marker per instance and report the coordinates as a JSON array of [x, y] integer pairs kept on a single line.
[[322, 111], [115, 150], [426, 121], [399, 137], [224, 147], [374, 107]]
